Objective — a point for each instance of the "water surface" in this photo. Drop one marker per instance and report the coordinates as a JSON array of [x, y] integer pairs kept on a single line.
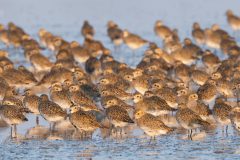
[[65, 18]]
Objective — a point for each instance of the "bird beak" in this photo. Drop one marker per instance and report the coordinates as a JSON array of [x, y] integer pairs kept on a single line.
[[72, 105], [103, 106]]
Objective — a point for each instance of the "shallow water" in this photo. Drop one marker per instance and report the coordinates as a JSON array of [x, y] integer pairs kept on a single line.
[[65, 18]]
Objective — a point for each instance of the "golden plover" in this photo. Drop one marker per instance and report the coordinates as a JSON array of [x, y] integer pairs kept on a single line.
[[87, 30], [133, 41], [150, 124], [13, 116], [153, 104], [80, 53], [81, 99], [118, 116], [31, 101], [114, 33], [83, 121], [198, 33], [221, 112], [60, 96], [233, 20], [208, 91], [112, 90], [161, 30], [198, 107], [51, 111], [189, 119]]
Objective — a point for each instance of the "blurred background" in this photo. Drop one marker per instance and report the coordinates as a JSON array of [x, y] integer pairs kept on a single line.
[[65, 16]]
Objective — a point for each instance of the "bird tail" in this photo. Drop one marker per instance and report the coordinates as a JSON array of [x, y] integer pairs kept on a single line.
[[24, 119], [204, 123], [173, 109], [25, 110], [104, 126], [170, 130], [130, 120]]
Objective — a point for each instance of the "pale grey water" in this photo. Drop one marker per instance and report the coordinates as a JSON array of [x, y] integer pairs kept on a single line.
[[65, 18]]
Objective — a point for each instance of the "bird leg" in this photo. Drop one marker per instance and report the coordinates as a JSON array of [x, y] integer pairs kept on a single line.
[[226, 130], [15, 131], [238, 99], [81, 133], [133, 57], [50, 126], [88, 134], [84, 134], [91, 135], [53, 127], [11, 131], [150, 140], [117, 131], [225, 97], [222, 130], [191, 134], [37, 120], [120, 131], [110, 130]]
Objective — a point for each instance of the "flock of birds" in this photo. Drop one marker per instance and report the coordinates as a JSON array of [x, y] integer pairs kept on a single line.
[[195, 82]]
